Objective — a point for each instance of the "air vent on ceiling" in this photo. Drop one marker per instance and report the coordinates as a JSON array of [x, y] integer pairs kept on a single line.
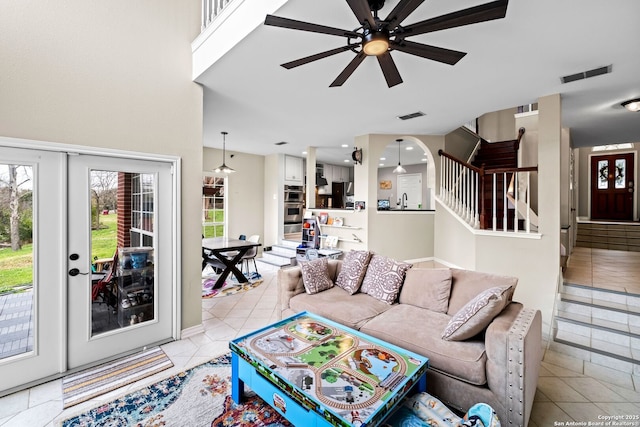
[[281, 143], [412, 115], [586, 74]]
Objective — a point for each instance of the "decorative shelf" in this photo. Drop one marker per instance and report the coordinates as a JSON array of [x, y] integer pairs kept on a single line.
[[348, 227]]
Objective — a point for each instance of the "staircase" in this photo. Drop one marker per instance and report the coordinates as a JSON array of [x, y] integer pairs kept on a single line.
[[496, 155], [600, 328], [614, 236]]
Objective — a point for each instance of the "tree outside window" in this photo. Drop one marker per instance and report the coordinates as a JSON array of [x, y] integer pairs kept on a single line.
[[213, 206]]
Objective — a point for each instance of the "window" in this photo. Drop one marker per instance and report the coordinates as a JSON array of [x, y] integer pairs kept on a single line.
[[213, 206], [625, 145], [142, 194]]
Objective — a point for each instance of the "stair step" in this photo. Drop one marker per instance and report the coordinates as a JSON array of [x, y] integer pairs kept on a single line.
[[277, 259], [615, 360], [284, 250]]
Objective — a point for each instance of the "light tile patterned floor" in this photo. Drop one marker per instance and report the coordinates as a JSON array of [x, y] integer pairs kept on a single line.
[[563, 395]]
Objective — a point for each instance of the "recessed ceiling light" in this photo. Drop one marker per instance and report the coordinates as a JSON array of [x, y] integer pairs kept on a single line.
[[304, 152], [381, 164], [347, 160], [345, 145], [423, 160], [409, 148], [632, 104], [383, 158]]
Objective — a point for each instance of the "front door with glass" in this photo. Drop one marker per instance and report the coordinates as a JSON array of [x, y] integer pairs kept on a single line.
[[612, 187]]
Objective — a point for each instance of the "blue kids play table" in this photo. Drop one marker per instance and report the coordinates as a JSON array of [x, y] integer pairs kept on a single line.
[[316, 372]]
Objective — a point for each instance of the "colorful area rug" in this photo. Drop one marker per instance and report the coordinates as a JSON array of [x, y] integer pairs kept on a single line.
[[231, 285], [196, 397], [84, 385]]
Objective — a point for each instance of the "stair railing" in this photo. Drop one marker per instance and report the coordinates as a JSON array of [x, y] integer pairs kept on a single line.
[[211, 9], [462, 187], [459, 182]]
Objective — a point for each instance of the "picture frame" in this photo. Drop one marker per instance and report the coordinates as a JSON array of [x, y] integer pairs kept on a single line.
[[331, 241], [360, 205], [338, 222], [323, 217], [385, 185]]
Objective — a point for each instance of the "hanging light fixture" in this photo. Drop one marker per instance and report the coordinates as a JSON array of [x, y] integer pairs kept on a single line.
[[399, 168], [224, 168]]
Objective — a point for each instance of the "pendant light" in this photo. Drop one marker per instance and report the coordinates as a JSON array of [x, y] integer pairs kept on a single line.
[[224, 168], [399, 168]]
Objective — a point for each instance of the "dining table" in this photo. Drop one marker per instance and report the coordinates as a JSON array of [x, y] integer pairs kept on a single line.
[[228, 253]]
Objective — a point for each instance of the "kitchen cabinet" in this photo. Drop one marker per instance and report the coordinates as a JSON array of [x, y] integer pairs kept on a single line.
[[293, 170], [339, 174]]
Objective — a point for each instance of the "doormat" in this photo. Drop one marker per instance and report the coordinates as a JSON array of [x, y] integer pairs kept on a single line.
[[231, 286], [197, 397], [92, 382]]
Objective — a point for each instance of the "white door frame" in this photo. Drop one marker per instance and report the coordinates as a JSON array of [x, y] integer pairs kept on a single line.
[[176, 233]]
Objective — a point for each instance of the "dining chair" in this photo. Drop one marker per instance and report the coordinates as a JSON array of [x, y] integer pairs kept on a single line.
[[251, 254]]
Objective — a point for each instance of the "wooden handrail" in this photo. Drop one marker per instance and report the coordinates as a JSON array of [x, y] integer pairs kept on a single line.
[[511, 170], [462, 162]]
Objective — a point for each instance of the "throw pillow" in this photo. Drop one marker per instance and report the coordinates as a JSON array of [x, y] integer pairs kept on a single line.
[[477, 314], [427, 288], [354, 267], [315, 275], [384, 278]]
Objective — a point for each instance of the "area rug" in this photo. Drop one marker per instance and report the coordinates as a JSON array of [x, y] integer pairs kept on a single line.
[[87, 384], [231, 285], [197, 397]]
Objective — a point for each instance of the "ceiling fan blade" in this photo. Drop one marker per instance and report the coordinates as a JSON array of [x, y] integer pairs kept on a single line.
[[346, 73], [403, 9], [473, 15], [311, 58], [362, 11], [434, 53], [292, 24], [389, 69]]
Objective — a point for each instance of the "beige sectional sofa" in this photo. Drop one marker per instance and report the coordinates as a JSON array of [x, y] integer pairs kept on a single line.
[[498, 366]]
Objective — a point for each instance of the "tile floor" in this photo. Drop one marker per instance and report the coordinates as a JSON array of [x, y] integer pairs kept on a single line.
[[563, 394]]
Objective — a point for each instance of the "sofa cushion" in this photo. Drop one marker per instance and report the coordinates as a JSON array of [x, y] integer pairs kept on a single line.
[[466, 284], [477, 314], [419, 330], [338, 305], [354, 267], [384, 278], [315, 275], [427, 288]]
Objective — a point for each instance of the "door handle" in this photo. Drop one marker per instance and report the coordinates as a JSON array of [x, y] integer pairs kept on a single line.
[[74, 272]]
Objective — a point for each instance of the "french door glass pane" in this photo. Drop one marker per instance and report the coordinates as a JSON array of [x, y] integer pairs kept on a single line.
[[603, 174], [16, 260], [122, 249], [621, 171]]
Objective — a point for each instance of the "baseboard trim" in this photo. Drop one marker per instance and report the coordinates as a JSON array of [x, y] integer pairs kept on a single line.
[[192, 331]]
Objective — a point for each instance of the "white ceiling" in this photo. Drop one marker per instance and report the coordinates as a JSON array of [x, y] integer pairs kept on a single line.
[[509, 62]]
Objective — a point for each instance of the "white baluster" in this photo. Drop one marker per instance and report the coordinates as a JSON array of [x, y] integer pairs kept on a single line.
[[515, 196], [493, 200], [528, 191], [505, 202], [477, 197]]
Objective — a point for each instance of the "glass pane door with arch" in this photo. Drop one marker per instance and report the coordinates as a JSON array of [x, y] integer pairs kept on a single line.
[[31, 266], [120, 258]]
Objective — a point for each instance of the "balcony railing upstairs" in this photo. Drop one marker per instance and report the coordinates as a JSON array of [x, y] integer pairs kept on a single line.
[[488, 199], [211, 9]]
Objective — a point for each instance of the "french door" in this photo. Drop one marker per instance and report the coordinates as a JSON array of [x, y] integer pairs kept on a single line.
[[135, 307], [612, 187], [89, 213], [31, 278]]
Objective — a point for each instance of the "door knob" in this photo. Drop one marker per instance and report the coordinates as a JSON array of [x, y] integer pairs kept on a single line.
[[74, 257]]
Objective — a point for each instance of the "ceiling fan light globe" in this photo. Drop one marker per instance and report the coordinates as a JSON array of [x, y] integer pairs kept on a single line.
[[375, 44], [632, 105]]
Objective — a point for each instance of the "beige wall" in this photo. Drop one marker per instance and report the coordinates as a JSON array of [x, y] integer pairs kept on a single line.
[[245, 201], [114, 74], [498, 126]]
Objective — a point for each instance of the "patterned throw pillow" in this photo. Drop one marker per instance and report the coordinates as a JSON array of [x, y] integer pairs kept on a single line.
[[477, 314], [315, 275], [384, 278], [354, 267]]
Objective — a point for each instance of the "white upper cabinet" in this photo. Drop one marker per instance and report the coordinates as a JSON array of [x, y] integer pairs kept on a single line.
[[340, 174], [293, 170]]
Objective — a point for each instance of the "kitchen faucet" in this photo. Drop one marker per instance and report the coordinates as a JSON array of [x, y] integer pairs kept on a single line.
[[403, 203]]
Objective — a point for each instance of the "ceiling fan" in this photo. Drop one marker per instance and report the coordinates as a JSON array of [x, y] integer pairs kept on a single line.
[[378, 37]]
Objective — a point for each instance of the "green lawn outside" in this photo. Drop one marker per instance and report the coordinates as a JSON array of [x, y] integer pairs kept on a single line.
[[16, 267]]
